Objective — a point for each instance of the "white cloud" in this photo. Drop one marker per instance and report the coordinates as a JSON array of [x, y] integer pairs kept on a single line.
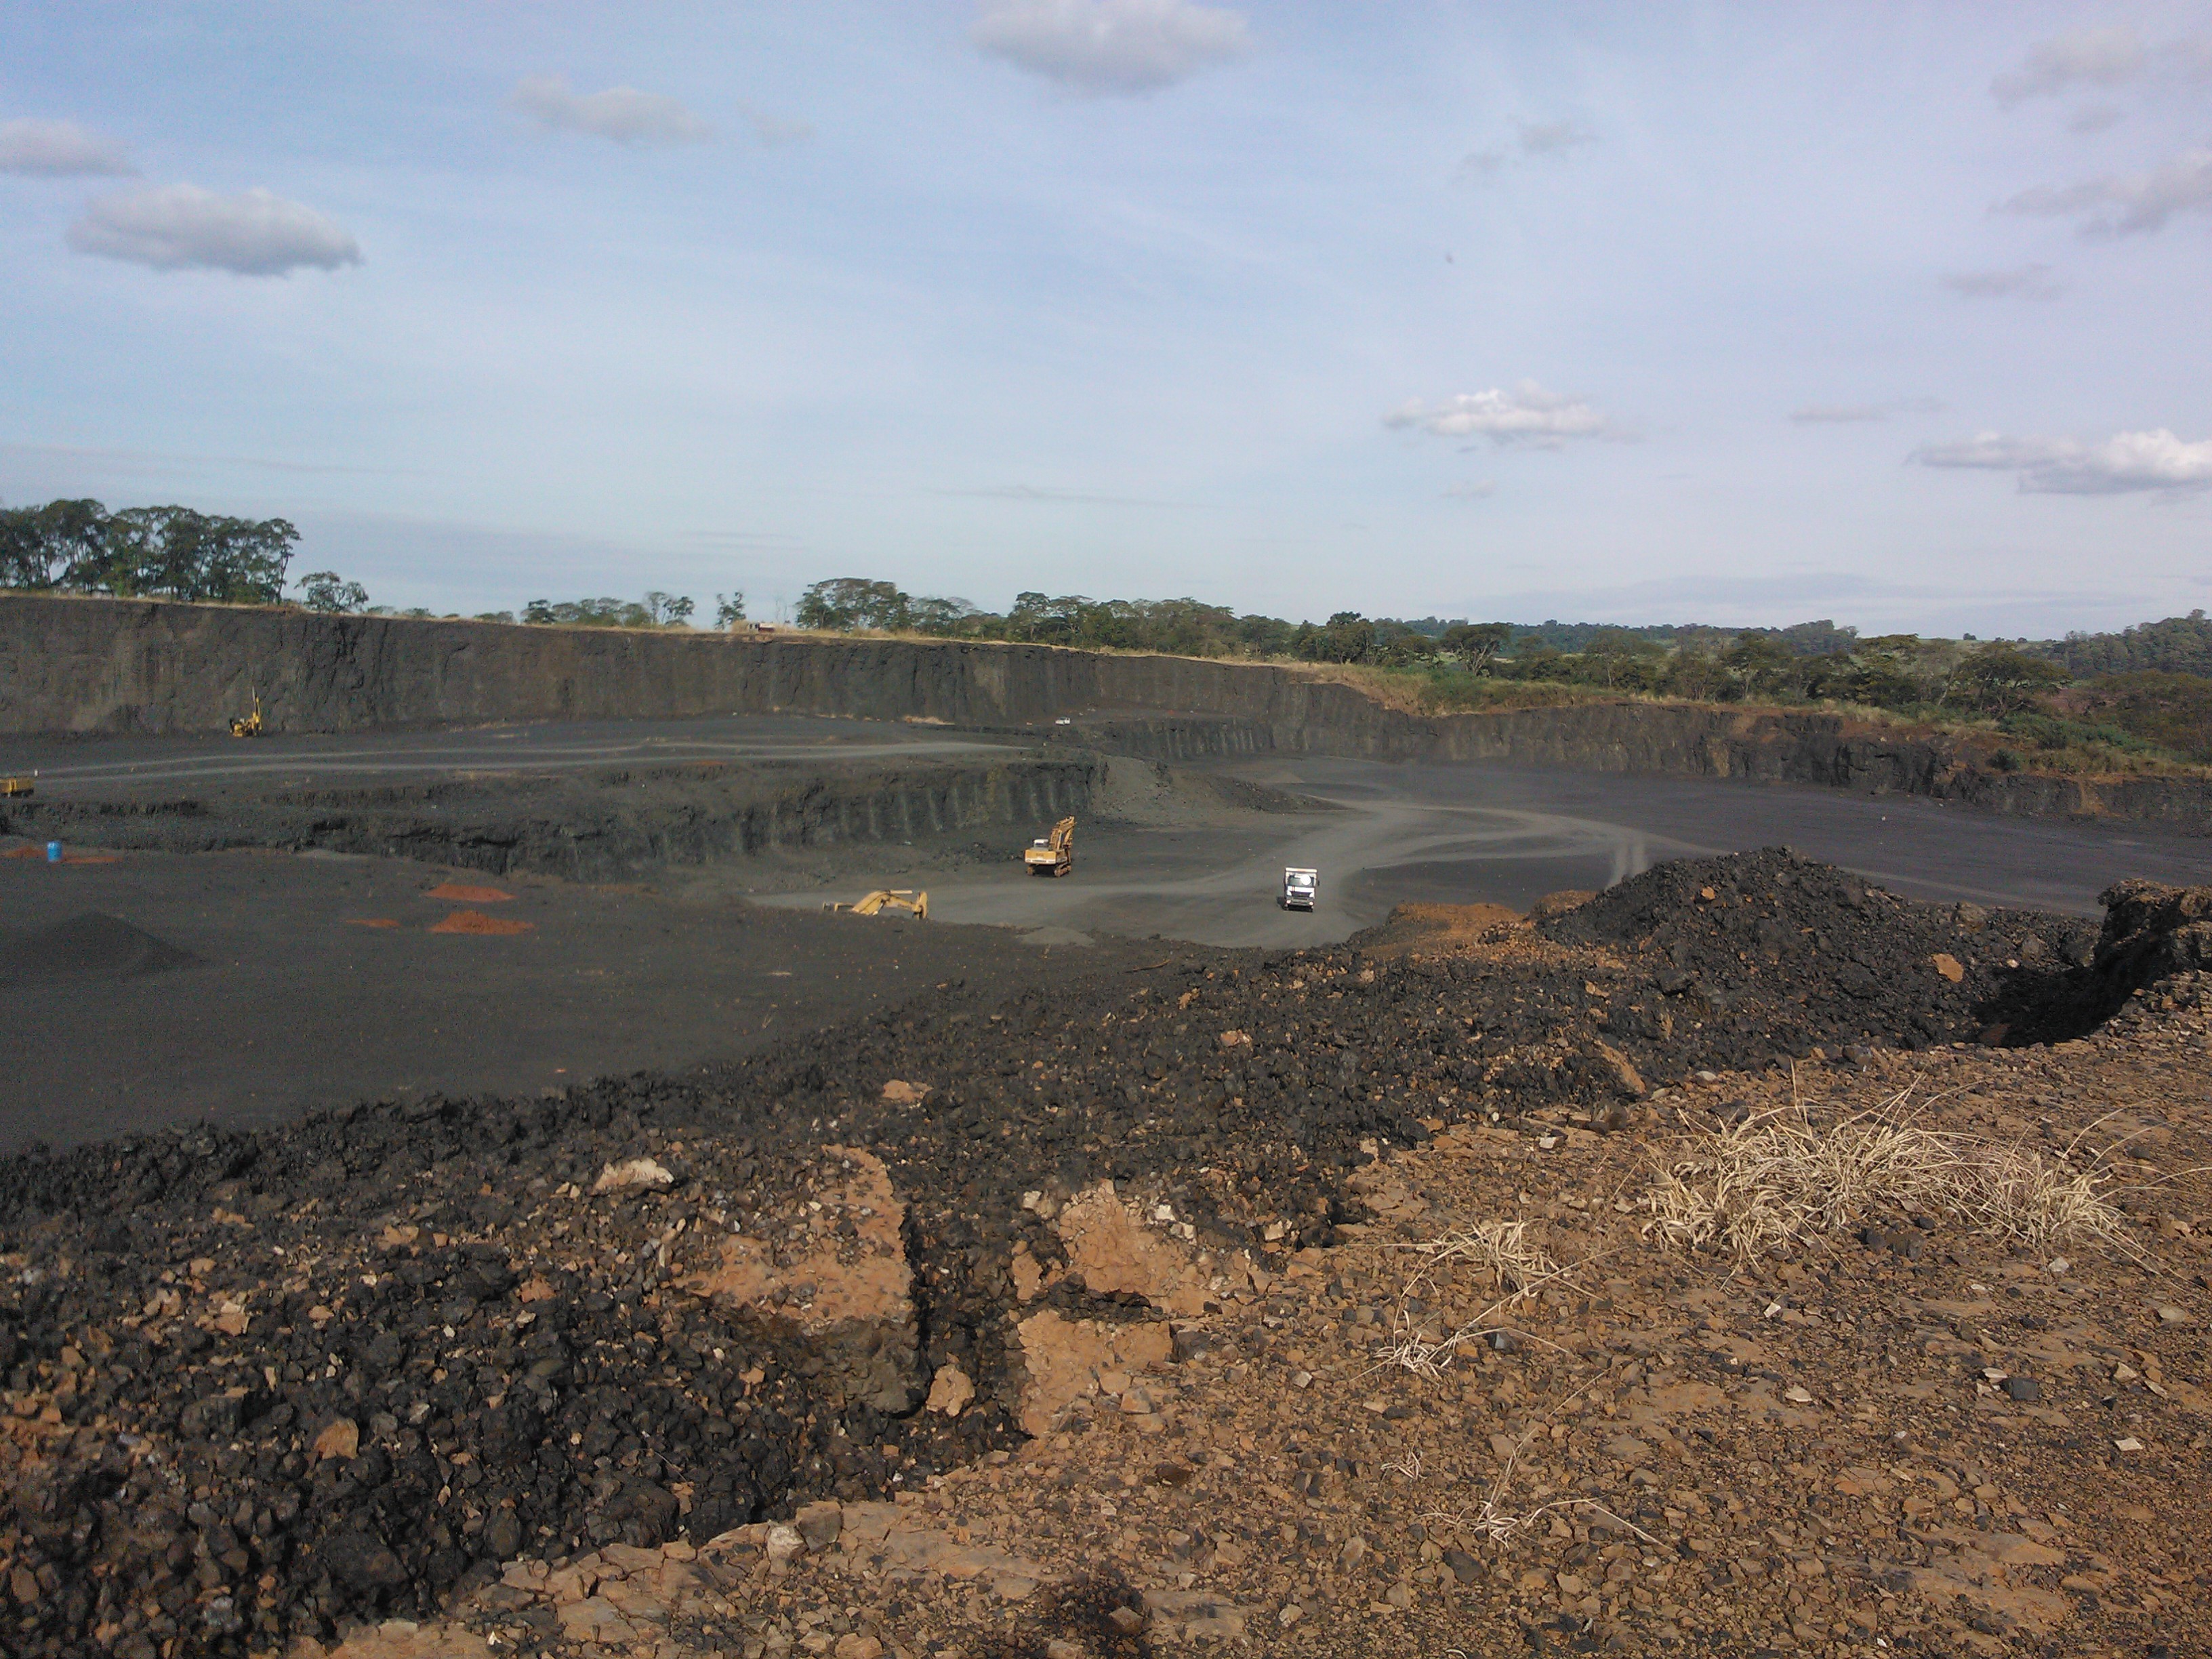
[[2096, 117], [59, 149], [2125, 463], [1848, 413], [1526, 415], [2100, 57], [182, 227], [2021, 282], [2122, 207], [2097, 57], [621, 114], [1111, 45], [1472, 492]]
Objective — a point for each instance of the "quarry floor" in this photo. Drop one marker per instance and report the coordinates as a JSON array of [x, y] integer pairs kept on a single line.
[[323, 978]]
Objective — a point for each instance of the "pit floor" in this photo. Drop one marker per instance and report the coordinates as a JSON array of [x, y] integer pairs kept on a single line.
[[296, 1004]]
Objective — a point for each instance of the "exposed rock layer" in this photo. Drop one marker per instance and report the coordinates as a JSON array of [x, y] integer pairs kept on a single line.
[[88, 665]]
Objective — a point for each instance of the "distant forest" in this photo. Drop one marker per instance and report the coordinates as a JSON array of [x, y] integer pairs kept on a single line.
[[2147, 689]]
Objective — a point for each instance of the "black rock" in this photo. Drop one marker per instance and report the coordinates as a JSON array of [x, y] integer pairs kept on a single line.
[[1194, 1345], [360, 1559], [2026, 1388], [216, 1417]]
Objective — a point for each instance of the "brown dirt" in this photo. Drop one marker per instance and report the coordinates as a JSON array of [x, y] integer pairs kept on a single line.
[[1425, 929], [476, 922], [460, 893], [1914, 1436]]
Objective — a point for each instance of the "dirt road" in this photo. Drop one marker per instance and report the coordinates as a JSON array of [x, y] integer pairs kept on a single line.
[[1403, 833]]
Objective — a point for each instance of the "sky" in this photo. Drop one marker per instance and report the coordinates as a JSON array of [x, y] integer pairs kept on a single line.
[[1897, 314]]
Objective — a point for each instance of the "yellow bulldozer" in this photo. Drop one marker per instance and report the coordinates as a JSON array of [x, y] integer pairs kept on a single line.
[[19, 785], [882, 899], [248, 725], [1052, 855]]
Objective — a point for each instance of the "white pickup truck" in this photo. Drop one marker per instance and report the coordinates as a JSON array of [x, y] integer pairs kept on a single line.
[[1300, 889]]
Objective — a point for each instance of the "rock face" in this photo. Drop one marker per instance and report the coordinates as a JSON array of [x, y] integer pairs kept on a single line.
[[90, 664], [583, 828]]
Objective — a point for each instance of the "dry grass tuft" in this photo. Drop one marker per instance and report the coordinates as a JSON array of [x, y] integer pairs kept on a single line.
[[1501, 1249], [1777, 1183], [1515, 1265]]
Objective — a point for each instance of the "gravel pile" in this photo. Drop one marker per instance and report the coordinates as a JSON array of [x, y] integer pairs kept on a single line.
[[260, 1384]]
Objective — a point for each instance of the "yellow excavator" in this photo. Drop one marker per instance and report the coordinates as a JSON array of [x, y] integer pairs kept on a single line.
[[882, 899], [1052, 855], [248, 725], [19, 785]]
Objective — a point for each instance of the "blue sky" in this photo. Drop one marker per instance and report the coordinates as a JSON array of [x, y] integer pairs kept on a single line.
[[1896, 315]]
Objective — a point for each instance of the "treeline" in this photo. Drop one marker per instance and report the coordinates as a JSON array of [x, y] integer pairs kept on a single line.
[[2028, 688], [173, 552], [2179, 645]]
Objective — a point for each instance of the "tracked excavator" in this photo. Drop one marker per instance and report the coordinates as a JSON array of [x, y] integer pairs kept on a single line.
[[1052, 855], [882, 899]]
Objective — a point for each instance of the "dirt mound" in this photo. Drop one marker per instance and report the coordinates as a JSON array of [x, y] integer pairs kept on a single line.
[[1812, 954], [460, 893], [92, 945], [476, 922], [1427, 928]]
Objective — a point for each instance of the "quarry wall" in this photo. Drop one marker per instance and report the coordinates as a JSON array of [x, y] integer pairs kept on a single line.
[[91, 665]]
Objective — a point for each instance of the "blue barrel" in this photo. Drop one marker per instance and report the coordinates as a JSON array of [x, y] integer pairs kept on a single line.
[[53, 852]]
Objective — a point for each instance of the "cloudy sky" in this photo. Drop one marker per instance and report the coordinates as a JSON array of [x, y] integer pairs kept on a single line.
[[1897, 314]]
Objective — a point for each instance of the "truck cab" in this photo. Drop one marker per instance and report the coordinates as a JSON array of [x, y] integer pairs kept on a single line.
[[1300, 889]]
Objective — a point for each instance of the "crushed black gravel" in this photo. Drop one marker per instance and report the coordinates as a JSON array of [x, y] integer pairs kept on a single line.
[[183, 1315], [88, 946]]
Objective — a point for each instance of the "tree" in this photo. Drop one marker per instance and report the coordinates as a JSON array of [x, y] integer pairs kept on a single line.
[[1615, 654], [1476, 643], [666, 610], [539, 612], [172, 550], [2000, 679], [57, 545], [1696, 675], [846, 603], [321, 590], [942, 616], [729, 609]]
